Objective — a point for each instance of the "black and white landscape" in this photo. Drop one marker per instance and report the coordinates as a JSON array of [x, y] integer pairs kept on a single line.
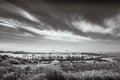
[[59, 40]]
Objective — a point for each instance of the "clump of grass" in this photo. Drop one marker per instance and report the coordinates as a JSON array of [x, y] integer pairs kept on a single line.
[[55, 75], [40, 76], [93, 75], [10, 76]]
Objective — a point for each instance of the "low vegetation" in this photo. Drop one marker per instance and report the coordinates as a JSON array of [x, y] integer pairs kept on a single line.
[[11, 69], [51, 73]]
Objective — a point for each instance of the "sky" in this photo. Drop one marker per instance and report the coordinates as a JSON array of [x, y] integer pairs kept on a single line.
[[62, 26]]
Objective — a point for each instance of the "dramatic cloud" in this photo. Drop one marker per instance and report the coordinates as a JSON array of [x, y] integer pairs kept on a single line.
[[114, 24], [111, 26], [58, 35], [64, 36], [38, 25], [17, 10], [86, 26], [46, 33], [24, 34], [8, 22]]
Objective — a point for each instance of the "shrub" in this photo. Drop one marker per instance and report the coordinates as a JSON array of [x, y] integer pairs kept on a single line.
[[5, 64], [54, 75], [10, 76], [14, 61], [40, 76]]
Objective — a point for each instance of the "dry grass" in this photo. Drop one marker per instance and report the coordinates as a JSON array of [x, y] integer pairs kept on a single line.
[[52, 72]]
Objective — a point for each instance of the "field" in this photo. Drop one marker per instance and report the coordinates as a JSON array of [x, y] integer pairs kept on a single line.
[[59, 66]]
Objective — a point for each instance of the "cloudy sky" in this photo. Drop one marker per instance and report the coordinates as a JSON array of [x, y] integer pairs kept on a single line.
[[49, 25]]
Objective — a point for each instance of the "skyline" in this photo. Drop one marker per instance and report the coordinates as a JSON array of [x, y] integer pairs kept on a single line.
[[43, 25]]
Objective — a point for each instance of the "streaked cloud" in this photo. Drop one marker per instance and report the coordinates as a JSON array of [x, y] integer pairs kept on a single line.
[[8, 22], [110, 26], [17, 10], [114, 24], [64, 36], [24, 34], [41, 25], [58, 34], [45, 33], [86, 26]]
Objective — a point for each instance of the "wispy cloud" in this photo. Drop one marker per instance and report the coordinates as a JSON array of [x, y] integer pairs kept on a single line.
[[111, 26], [8, 22], [62, 35], [45, 33], [24, 34], [114, 24], [17, 10], [86, 26]]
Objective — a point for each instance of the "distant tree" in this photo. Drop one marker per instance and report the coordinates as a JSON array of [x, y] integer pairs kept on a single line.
[[68, 58], [19, 52], [61, 58], [2, 51], [42, 58], [50, 58]]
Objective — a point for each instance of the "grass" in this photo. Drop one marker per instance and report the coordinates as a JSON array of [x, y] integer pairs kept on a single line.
[[55, 73], [81, 71], [75, 67]]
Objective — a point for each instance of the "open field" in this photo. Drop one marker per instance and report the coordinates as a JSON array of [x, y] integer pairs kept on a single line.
[[56, 67]]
